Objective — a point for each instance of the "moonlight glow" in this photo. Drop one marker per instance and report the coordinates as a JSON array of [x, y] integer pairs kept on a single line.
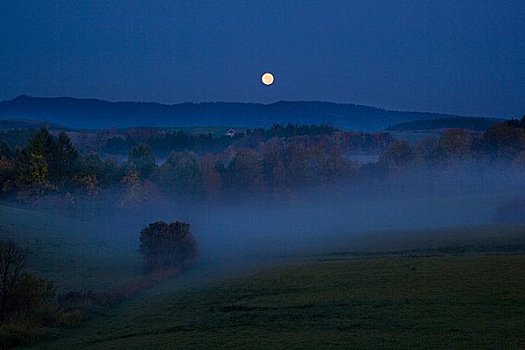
[[267, 78]]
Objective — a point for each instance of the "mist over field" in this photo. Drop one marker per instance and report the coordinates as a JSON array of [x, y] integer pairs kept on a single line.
[[344, 217]]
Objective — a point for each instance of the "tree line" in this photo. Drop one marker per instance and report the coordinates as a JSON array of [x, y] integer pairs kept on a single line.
[[258, 162]]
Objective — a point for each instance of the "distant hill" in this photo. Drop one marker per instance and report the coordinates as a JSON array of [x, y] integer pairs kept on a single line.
[[97, 114], [16, 124], [22, 124], [474, 123]]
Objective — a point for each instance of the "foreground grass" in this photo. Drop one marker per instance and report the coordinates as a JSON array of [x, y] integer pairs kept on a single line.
[[73, 253], [370, 295], [380, 302]]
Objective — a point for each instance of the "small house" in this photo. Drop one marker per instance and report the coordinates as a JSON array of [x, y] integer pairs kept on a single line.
[[230, 133]]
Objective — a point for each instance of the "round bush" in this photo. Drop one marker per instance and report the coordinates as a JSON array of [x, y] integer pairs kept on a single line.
[[166, 246]]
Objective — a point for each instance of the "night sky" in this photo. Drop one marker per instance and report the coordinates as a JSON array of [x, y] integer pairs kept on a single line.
[[459, 57]]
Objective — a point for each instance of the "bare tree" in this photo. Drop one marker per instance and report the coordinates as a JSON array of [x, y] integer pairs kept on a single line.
[[13, 261]]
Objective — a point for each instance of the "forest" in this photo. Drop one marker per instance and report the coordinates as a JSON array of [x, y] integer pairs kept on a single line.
[[279, 161]]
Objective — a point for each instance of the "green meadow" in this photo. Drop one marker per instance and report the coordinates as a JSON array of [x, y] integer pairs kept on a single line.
[[464, 289]]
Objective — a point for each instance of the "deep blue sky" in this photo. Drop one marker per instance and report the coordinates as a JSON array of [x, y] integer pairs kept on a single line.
[[461, 57]]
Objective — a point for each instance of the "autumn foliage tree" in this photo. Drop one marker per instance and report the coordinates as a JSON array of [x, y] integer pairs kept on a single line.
[[453, 144], [211, 177], [12, 264], [398, 154], [142, 159], [504, 140], [244, 173], [181, 174], [34, 164]]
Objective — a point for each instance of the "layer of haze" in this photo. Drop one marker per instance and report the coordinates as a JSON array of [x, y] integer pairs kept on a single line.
[[461, 57], [350, 217]]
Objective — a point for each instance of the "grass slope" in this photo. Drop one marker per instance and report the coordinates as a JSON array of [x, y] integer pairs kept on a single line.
[[474, 123], [73, 253], [384, 302], [450, 288]]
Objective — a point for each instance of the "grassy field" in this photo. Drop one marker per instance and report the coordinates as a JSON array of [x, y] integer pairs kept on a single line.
[[73, 253], [382, 302], [460, 288]]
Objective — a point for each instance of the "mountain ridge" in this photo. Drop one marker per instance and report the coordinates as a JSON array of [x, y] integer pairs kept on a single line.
[[95, 113]]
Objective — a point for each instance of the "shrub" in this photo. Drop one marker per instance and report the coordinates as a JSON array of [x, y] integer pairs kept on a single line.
[[26, 301], [31, 295], [13, 261], [18, 333], [166, 246]]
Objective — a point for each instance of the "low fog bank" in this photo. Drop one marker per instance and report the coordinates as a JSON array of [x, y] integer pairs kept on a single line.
[[338, 218], [345, 219]]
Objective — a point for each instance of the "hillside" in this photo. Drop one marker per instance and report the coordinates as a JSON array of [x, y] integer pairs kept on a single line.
[[399, 301], [96, 114], [22, 124], [404, 289], [480, 124], [69, 251]]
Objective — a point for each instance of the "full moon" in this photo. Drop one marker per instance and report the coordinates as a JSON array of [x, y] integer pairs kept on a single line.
[[267, 78]]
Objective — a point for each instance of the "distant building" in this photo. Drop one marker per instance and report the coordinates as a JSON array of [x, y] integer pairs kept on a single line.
[[231, 133]]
